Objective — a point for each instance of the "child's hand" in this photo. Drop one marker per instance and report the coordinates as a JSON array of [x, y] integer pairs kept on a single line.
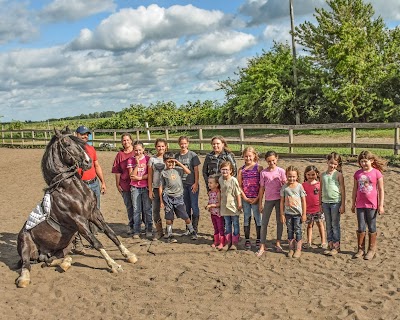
[[381, 210], [208, 207], [151, 194], [283, 218], [162, 205], [303, 218], [341, 209], [261, 208], [353, 208]]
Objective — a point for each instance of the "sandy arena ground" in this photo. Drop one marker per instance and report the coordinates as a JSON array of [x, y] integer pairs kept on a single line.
[[190, 280]]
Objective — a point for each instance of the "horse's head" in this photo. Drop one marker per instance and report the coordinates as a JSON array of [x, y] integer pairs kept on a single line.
[[64, 154], [72, 150]]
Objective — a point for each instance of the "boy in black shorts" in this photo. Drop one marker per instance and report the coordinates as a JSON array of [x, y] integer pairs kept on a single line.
[[171, 193]]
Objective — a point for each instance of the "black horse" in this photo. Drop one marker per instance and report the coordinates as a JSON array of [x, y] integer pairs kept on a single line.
[[73, 206]]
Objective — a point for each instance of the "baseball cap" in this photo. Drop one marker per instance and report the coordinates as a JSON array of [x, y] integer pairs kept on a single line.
[[82, 130]]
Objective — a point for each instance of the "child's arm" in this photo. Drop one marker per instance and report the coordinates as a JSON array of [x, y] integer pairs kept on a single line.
[[184, 168], [150, 180], [160, 190], [354, 196], [304, 209], [320, 195], [260, 199], [282, 206], [195, 186], [342, 208], [381, 196]]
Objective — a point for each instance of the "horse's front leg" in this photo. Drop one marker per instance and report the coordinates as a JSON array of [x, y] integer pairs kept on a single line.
[[95, 243], [25, 247], [130, 257]]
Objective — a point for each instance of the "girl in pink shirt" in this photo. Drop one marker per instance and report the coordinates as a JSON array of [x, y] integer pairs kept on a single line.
[[312, 188], [368, 197], [272, 179]]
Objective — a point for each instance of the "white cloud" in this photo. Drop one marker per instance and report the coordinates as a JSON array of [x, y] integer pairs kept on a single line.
[[389, 9], [202, 87], [72, 10], [15, 22], [277, 32], [220, 43], [129, 28]]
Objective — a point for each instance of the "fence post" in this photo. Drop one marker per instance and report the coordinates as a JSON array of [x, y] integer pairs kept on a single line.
[[137, 135], [396, 141], [148, 131], [22, 138], [11, 136], [353, 140], [166, 134], [115, 137], [33, 138], [201, 139], [241, 132], [290, 140], [2, 133]]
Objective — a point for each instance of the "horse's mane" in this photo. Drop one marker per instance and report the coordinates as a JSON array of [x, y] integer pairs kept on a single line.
[[51, 163]]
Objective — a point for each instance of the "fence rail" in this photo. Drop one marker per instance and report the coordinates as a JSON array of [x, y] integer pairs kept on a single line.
[[38, 138]]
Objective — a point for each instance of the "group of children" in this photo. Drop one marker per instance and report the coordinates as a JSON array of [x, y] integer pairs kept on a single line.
[[255, 193]]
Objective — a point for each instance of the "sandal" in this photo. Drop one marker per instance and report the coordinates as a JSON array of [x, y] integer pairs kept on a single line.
[[259, 253], [278, 249]]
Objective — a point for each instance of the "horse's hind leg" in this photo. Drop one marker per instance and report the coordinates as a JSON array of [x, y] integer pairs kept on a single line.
[[130, 257]]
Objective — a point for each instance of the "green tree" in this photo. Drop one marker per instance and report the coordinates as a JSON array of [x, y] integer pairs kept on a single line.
[[265, 91], [347, 50]]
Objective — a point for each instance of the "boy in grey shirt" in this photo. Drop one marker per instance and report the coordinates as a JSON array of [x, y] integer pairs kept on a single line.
[[171, 193]]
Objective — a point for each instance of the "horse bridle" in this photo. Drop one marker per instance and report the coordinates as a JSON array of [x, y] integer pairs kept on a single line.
[[72, 169]]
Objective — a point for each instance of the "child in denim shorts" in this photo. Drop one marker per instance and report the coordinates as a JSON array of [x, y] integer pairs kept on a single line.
[[171, 193], [312, 188]]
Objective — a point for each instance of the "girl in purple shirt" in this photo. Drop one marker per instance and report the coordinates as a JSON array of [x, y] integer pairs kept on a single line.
[[368, 197]]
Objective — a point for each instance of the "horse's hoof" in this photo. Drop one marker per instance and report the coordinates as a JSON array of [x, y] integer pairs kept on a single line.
[[132, 259], [117, 269], [22, 283]]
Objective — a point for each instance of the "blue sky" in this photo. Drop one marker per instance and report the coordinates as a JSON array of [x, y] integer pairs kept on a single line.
[[63, 58]]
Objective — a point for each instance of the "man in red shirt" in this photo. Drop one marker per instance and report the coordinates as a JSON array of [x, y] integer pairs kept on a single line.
[[91, 177]]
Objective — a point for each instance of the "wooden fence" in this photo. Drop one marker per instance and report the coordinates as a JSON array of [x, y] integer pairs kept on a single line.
[[37, 138]]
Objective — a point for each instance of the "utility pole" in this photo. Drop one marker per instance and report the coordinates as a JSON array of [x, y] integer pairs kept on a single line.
[[294, 56]]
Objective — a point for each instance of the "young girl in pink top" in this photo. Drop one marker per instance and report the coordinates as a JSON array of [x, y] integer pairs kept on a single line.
[[249, 181], [368, 197], [312, 188], [138, 172], [214, 202], [272, 179]]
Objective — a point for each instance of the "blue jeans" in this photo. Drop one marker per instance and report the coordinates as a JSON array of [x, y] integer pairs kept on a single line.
[[156, 206], [366, 216], [332, 218], [127, 197], [141, 203], [229, 221], [191, 201], [247, 209], [293, 224], [95, 187]]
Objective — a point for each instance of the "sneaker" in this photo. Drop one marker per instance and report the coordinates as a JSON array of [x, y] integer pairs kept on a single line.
[[324, 245], [136, 236], [149, 235], [247, 245], [171, 239], [258, 243], [130, 231], [194, 235], [186, 233], [306, 246]]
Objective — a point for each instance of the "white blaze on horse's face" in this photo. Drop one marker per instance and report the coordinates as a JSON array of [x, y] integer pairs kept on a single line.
[[87, 163]]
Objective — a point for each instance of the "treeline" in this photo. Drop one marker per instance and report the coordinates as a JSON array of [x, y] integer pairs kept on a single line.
[[350, 72]]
